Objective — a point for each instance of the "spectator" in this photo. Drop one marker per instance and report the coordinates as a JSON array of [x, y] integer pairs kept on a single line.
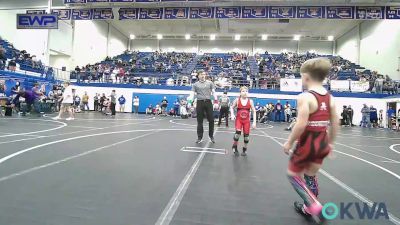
[[96, 102], [102, 100], [164, 105], [121, 101], [77, 102], [379, 84], [149, 110], [381, 118], [345, 117], [373, 116], [278, 111], [365, 122], [224, 109], [288, 111], [176, 107], [85, 102], [113, 102], [136, 103], [391, 114], [350, 115], [12, 65], [258, 110]]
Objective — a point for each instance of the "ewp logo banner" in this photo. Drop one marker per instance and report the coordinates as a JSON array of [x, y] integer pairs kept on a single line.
[[31, 21]]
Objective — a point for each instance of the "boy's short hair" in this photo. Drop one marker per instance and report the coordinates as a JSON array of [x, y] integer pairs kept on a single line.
[[244, 87], [317, 68]]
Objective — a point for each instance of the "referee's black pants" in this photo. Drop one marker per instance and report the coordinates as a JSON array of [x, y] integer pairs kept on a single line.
[[204, 108]]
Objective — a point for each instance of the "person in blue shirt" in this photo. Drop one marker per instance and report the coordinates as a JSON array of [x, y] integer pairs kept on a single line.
[[121, 101], [373, 116], [258, 109], [176, 107]]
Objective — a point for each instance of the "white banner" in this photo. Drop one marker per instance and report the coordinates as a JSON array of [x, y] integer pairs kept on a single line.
[[340, 85], [294, 85], [359, 86]]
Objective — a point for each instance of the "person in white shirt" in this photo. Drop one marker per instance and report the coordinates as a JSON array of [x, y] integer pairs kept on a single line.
[[136, 105], [67, 101]]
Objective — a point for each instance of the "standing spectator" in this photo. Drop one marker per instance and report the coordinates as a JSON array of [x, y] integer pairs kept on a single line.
[[278, 111], [373, 116], [77, 102], [121, 101], [224, 109], [345, 116], [113, 102], [391, 114], [380, 118], [102, 100], [136, 102], [288, 113], [351, 115], [365, 122], [96, 102], [164, 105], [258, 111], [176, 107], [398, 120], [85, 102], [379, 84]]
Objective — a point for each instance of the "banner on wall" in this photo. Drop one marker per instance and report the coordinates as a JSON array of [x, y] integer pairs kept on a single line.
[[254, 12], [37, 21], [103, 14], [293, 85], [359, 86], [176, 13], [82, 14], [282, 12], [35, 11], [201, 12], [128, 13], [340, 85], [63, 14], [370, 12], [314, 12]]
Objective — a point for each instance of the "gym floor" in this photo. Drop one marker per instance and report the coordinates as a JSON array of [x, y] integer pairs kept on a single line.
[[144, 170]]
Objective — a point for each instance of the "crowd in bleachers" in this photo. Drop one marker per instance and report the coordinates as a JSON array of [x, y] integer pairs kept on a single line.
[[272, 67], [135, 67], [10, 57]]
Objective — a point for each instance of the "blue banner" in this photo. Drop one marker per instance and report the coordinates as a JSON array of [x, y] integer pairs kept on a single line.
[[370, 12], [82, 14], [35, 11], [103, 14], [74, 1], [316, 12], [392, 12], [227, 12], [150, 13], [63, 14], [128, 13], [96, 1], [202, 12], [254, 12], [176, 13], [121, 1], [340, 12], [37, 21], [282, 12]]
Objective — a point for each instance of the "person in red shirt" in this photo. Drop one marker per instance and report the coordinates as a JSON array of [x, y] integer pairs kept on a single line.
[[243, 105], [315, 130]]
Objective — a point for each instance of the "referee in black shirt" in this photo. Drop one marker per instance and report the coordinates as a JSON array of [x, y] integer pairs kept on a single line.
[[203, 90]]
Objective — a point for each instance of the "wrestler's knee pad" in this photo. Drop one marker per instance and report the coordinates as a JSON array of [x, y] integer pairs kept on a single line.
[[246, 138], [237, 135]]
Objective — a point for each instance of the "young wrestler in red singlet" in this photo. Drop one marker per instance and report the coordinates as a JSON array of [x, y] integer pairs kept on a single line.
[[243, 105], [315, 130]]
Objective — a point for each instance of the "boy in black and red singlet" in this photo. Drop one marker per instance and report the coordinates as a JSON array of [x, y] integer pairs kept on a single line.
[[243, 105], [315, 130]]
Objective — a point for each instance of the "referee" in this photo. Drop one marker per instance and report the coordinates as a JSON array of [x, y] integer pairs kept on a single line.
[[203, 90]]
